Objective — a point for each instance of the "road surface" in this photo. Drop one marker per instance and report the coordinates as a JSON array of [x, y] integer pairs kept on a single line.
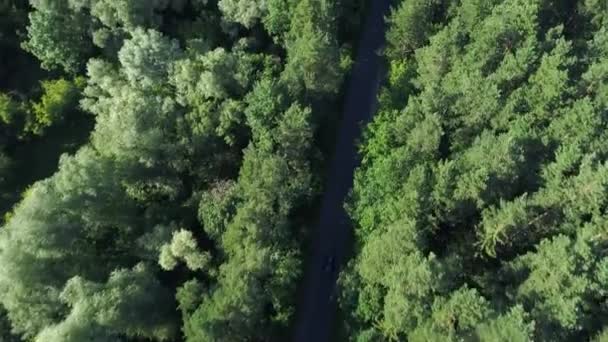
[[317, 307]]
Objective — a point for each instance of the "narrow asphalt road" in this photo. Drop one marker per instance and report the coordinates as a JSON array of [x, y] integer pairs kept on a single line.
[[317, 307]]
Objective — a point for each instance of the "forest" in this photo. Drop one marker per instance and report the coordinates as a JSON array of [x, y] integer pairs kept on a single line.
[[159, 161], [481, 202], [162, 164]]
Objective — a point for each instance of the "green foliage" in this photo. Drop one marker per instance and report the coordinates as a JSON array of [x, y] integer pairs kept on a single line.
[[596, 9], [58, 37], [312, 49], [511, 326], [8, 109], [277, 20], [37, 268], [602, 337], [180, 217], [217, 207], [131, 303], [59, 99], [133, 123], [410, 25], [480, 202], [245, 12], [274, 179], [183, 246], [146, 57], [126, 13]]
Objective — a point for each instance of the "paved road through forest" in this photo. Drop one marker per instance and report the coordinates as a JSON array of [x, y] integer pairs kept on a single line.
[[317, 307]]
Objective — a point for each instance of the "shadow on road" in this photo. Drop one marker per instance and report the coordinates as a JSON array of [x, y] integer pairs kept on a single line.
[[317, 306]]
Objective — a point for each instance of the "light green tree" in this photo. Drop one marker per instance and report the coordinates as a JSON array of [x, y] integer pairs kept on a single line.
[[58, 36]]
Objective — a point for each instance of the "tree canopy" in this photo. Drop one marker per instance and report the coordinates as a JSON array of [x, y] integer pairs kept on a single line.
[[480, 203], [185, 160]]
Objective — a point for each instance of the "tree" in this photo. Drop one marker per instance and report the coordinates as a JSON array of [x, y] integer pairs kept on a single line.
[[60, 98], [132, 303], [211, 85], [9, 109], [410, 26], [183, 246], [244, 12], [277, 19], [59, 37], [146, 57], [50, 238], [133, 123], [313, 54], [217, 207], [512, 326], [129, 14]]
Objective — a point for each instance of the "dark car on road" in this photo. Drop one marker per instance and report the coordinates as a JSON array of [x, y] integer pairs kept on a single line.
[[329, 266]]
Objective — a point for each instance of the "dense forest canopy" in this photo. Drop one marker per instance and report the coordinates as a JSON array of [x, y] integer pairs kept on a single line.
[[176, 148], [161, 163], [481, 205]]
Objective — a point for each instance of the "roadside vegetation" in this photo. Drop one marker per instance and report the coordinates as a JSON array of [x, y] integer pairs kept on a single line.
[[481, 205]]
